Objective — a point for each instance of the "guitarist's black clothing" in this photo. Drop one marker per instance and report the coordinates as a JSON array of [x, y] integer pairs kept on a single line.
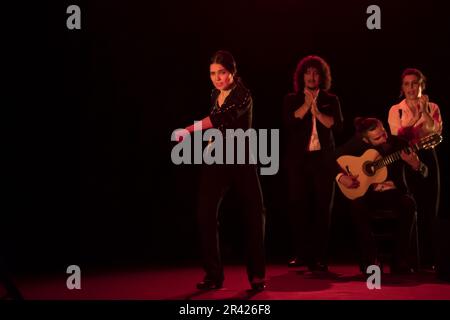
[[398, 199]]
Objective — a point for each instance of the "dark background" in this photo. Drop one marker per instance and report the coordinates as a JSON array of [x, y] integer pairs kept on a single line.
[[90, 179]]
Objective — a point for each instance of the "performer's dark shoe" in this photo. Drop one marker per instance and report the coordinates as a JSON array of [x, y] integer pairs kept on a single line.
[[321, 267], [401, 267], [208, 284], [401, 270], [295, 262], [258, 284], [429, 267]]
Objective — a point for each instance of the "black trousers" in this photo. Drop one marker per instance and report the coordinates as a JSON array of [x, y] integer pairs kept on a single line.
[[215, 181], [427, 195], [311, 194], [361, 211]]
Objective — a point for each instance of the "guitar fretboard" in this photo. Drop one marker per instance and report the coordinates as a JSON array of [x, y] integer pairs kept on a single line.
[[393, 157]]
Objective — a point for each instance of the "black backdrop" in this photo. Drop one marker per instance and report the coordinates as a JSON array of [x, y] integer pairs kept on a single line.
[[93, 110]]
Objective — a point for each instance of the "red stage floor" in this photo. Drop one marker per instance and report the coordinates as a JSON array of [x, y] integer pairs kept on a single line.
[[344, 282]]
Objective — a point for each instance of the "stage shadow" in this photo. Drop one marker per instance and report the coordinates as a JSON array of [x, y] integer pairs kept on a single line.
[[302, 281], [395, 280], [409, 280]]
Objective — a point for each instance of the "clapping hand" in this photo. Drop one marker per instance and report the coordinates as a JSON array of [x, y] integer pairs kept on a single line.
[[180, 134], [423, 103], [310, 100]]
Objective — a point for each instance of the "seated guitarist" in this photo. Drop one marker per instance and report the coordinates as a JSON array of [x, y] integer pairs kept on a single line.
[[390, 194]]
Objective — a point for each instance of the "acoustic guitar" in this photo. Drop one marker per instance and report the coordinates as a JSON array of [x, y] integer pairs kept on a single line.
[[372, 168]]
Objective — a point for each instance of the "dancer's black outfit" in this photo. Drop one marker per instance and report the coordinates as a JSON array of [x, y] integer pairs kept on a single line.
[[217, 179]]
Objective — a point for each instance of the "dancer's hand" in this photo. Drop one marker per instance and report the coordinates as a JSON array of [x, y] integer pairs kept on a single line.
[[180, 134]]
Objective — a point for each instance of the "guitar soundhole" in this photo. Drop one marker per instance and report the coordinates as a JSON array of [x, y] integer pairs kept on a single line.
[[368, 168]]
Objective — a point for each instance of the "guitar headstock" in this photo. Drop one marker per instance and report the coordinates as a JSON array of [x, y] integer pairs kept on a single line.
[[430, 141]]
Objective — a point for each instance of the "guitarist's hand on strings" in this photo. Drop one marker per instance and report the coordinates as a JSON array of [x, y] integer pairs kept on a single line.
[[349, 181], [410, 158]]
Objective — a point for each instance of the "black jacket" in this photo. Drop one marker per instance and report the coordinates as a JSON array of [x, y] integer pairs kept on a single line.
[[297, 132], [235, 112]]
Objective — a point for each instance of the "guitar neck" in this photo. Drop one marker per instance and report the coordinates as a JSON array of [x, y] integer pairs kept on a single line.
[[393, 157]]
